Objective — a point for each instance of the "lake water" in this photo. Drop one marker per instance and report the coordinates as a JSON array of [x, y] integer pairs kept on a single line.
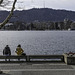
[[39, 42]]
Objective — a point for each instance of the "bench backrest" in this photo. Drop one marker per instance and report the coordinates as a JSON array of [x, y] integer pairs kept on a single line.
[[45, 56]]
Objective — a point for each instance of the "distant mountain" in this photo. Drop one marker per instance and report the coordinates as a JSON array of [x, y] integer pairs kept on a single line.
[[40, 14]]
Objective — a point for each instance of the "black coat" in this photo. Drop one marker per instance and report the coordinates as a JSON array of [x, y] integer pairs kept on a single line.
[[7, 51]]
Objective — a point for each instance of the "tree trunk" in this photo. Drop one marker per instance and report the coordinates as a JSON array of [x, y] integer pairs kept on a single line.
[[9, 16]]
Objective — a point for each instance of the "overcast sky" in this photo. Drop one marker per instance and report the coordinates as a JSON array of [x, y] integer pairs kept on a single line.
[[55, 4]]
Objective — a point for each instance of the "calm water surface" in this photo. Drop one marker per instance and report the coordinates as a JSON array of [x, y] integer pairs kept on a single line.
[[39, 42]]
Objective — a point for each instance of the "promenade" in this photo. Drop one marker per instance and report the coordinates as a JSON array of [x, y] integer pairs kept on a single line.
[[37, 68]]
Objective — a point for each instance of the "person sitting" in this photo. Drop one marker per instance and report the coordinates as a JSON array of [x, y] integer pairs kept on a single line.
[[19, 51], [7, 51]]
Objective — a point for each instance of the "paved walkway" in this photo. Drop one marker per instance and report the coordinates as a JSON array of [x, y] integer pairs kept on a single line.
[[37, 69]]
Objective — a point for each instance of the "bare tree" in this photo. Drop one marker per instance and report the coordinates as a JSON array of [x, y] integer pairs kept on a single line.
[[10, 14]]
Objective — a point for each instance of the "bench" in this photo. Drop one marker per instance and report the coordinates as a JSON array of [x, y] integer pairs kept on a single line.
[[29, 58], [53, 57], [12, 57]]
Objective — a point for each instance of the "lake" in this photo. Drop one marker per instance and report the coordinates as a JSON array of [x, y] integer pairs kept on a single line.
[[39, 42]]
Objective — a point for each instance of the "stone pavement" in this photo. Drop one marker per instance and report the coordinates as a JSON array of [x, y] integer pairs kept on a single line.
[[37, 69]]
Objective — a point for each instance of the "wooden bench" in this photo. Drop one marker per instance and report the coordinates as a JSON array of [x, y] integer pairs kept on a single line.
[[53, 57]]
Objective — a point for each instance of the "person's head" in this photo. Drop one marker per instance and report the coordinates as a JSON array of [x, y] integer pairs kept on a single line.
[[19, 45], [6, 45]]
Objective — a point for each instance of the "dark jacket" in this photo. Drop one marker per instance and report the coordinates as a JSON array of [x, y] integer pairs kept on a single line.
[[6, 51]]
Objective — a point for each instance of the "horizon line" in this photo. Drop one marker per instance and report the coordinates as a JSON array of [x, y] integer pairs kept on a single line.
[[38, 8]]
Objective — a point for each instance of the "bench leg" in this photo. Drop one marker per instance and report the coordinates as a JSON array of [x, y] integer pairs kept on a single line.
[[18, 59], [62, 59], [5, 59], [27, 59]]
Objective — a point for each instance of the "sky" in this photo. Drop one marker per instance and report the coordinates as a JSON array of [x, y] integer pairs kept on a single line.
[[55, 4]]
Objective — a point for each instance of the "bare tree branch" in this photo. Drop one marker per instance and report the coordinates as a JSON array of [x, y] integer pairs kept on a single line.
[[9, 16], [1, 1], [4, 3]]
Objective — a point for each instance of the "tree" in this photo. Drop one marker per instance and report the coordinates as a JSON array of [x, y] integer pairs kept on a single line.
[[1, 1], [10, 14]]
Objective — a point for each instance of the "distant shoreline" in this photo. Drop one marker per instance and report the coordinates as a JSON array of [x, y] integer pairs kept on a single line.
[[37, 30]]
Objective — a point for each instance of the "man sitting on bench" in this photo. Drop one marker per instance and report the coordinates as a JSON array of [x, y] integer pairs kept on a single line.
[[7, 51]]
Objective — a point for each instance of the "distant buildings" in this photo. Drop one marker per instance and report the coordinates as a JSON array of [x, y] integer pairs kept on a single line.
[[73, 26], [14, 26], [36, 25]]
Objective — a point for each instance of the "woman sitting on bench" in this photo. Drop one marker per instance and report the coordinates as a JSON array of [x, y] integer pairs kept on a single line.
[[19, 51]]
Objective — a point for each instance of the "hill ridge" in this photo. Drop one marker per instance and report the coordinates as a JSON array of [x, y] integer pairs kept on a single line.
[[40, 14]]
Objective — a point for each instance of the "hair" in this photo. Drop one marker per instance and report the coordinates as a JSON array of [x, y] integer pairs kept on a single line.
[[6, 45], [19, 45]]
